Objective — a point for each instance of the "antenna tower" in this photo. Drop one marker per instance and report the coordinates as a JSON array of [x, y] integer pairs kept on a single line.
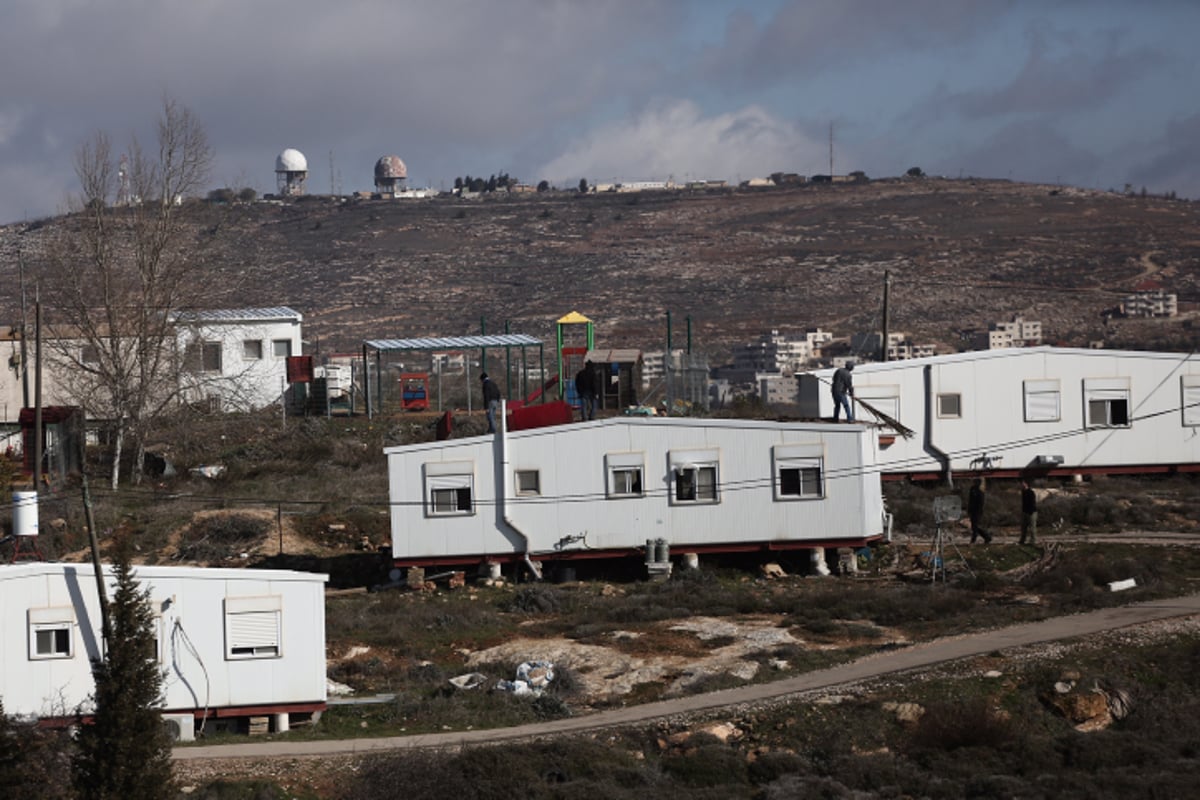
[[831, 152], [123, 198]]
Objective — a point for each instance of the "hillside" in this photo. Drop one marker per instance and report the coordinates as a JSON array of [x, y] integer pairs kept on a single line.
[[961, 253]]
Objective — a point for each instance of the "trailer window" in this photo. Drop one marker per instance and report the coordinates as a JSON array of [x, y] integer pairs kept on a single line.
[[1190, 405], [253, 627], [529, 482], [695, 484], [950, 406], [1043, 401], [624, 474], [799, 480], [51, 633], [1107, 402], [451, 501]]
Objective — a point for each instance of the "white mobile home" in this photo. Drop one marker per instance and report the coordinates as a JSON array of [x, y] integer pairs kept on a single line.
[[1043, 410], [604, 488], [232, 642]]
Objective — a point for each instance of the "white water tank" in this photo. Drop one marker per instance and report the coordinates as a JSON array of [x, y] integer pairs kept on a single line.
[[25, 513]]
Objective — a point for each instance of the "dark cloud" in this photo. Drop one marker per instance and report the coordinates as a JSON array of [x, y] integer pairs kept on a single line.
[[1025, 151], [1086, 77], [1176, 167], [807, 38]]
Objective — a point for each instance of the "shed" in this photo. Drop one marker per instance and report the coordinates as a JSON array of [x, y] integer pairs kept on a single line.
[[619, 376]]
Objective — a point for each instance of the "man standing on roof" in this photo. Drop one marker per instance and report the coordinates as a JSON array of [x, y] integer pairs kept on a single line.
[[585, 387], [491, 398], [843, 390]]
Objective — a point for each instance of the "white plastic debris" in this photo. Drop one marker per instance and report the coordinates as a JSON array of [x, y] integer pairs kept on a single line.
[[472, 680], [1120, 586], [532, 678]]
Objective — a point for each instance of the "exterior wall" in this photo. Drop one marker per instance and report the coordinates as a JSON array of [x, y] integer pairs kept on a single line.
[[244, 382], [241, 384], [994, 431], [189, 604], [575, 511]]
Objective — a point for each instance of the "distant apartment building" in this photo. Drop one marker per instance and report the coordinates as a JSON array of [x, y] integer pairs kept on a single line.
[[1019, 332], [1150, 299], [654, 366], [779, 353], [775, 389], [900, 346]]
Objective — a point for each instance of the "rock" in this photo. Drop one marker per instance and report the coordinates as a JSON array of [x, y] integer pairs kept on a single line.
[[772, 571], [1064, 687], [993, 673], [724, 731], [905, 713], [1087, 711]]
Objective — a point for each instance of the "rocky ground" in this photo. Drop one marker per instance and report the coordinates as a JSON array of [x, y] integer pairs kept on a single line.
[[961, 254]]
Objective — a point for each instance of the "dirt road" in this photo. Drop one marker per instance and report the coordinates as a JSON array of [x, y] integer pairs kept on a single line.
[[874, 666]]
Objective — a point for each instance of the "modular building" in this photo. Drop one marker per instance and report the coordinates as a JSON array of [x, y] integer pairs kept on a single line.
[[604, 488], [232, 643], [1039, 410]]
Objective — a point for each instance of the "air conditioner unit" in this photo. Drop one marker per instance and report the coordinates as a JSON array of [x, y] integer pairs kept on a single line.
[[181, 727], [1048, 461]]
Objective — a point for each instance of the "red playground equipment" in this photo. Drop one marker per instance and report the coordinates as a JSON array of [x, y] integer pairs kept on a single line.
[[414, 391]]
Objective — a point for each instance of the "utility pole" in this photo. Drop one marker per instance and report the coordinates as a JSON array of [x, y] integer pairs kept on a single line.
[[24, 335], [38, 444], [90, 518], [831, 152], [887, 284]]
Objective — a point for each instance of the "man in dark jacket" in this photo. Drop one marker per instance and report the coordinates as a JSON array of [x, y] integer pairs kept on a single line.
[[1028, 514], [843, 390], [491, 398], [585, 387], [975, 499]]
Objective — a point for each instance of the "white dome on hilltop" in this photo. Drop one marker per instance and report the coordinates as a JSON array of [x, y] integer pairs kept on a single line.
[[291, 161]]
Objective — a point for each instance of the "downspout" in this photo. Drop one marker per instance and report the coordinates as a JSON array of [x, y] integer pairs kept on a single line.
[[930, 447], [503, 492]]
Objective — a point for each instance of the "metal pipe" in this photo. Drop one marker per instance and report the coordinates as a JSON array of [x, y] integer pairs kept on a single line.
[[502, 488], [930, 447]]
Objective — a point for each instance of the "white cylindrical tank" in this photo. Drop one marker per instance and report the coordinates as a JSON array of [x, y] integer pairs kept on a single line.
[[25, 513]]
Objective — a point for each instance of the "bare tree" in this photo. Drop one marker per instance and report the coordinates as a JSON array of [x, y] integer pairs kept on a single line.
[[129, 259]]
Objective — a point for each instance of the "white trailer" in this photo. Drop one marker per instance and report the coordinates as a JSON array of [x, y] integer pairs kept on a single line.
[[232, 643], [604, 488], [1039, 410]]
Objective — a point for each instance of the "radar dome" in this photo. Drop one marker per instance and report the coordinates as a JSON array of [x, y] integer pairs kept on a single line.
[[390, 167], [291, 161]]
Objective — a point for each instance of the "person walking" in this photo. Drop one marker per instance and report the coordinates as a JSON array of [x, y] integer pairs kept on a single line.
[[491, 398], [843, 390], [975, 498], [1028, 514], [585, 387]]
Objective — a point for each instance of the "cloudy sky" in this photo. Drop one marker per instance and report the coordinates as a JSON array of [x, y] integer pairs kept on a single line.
[[1095, 93]]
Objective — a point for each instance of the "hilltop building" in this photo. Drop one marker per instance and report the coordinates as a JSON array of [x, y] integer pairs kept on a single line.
[[900, 346], [1019, 332], [291, 172], [1150, 299]]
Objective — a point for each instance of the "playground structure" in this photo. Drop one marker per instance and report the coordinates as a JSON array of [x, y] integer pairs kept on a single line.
[[445, 372], [381, 392]]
